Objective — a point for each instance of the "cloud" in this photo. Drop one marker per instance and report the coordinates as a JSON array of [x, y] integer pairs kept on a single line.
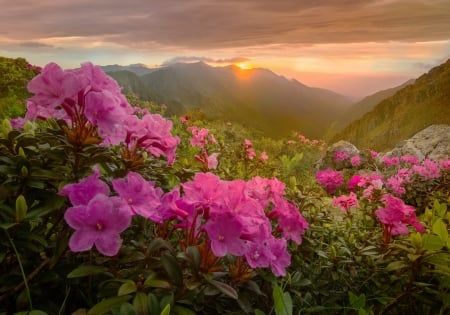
[[199, 25], [188, 59], [35, 45]]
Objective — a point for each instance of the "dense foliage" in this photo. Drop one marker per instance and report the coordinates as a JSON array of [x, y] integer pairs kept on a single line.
[[110, 208]]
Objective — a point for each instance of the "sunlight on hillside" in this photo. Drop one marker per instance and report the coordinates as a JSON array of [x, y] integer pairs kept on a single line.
[[242, 70]]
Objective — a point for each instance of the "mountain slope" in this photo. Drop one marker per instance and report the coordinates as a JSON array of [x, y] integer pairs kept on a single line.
[[365, 105], [257, 97], [408, 111]]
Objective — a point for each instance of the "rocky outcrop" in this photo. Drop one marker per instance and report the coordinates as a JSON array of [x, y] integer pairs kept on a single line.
[[432, 143], [331, 157]]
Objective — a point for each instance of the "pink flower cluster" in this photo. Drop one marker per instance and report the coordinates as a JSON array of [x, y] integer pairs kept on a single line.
[[396, 216], [87, 96], [201, 138], [250, 219], [346, 202], [251, 153], [330, 179]]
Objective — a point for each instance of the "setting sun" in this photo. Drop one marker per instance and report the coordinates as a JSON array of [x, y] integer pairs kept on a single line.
[[243, 65]]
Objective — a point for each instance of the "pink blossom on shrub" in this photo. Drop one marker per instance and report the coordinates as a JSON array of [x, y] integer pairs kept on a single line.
[[199, 136], [346, 202], [429, 169], [247, 143], [396, 215], [445, 165], [263, 157], [251, 154], [373, 154], [224, 231], [355, 160], [17, 123], [139, 195], [340, 156], [330, 180], [395, 183], [354, 182], [98, 223], [84, 191], [212, 161], [411, 159], [391, 161]]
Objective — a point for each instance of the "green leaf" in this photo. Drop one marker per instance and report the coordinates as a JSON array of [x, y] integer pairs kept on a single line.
[[259, 312], [153, 304], [357, 301], [126, 288], [127, 309], [432, 242], [282, 301], [396, 265], [6, 226], [166, 310], [107, 304], [140, 303], [179, 310], [86, 270], [224, 288], [21, 208], [156, 283], [440, 229], [173, 269]]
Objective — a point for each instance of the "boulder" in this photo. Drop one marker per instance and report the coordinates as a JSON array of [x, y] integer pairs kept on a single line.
[[432, 143], [329, 160]]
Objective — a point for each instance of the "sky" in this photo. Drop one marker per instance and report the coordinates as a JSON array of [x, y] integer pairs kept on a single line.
[[353, 47]]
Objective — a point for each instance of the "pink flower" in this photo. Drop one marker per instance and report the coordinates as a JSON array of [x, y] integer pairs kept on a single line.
[[140, 196], [330, 179], [340, 156], [355, 160], [184, 119], [224, 231], [428, 170], [247, 143], [84, 191], [99, 222], [212, 161], [396, 215], [391, 161], [251, 154], [354, 181], [411, 159], [346, 202], [17, 123], [445, 165], [263, 157], [395, 183], [373, 154]]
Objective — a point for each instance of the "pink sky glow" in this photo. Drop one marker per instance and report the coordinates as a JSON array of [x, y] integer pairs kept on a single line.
[[355, 48]]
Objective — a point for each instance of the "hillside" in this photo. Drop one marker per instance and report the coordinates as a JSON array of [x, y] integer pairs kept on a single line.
[[365, 105], [257, 97], [408, 111]]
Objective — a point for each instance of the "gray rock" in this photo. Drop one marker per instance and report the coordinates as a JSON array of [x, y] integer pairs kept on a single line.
[[328, 160], [432, 143]]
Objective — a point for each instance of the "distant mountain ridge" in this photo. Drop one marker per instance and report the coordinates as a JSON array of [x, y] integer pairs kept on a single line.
[[256, 97], [400, 116]]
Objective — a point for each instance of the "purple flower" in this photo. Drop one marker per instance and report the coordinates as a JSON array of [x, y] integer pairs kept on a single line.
[[141, 196], [290, 221], [84, 191], [224, 231], [98, 223]]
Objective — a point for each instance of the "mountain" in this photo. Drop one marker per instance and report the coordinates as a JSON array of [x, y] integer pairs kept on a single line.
[[365, 105], [400, 116], [137, 68], [257, 98]]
